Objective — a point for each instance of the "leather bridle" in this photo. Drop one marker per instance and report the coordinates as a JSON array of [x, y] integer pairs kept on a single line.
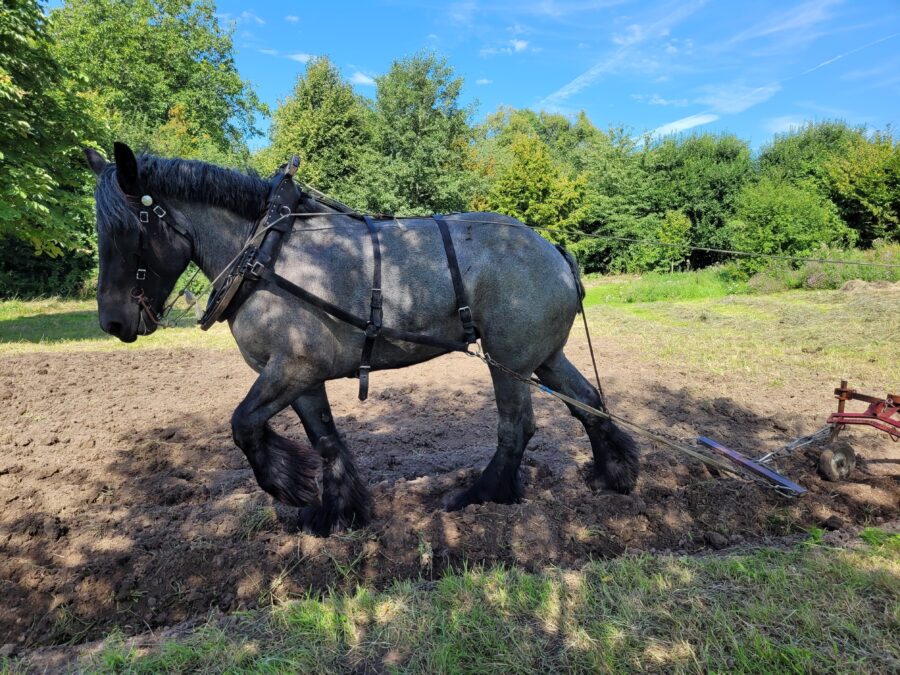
[[146, 207]]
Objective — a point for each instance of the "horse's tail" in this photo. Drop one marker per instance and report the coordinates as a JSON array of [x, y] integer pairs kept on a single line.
[[576, 272]]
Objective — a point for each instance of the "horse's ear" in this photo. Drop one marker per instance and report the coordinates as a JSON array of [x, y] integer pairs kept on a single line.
[[126, 168], [95, 160]]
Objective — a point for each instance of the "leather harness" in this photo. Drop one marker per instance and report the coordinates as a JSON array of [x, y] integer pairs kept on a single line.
[[257, 262]]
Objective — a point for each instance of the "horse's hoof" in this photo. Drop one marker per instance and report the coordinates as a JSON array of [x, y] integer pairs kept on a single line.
[[618, 476], [322, 521], [462, 500], [509, 492]]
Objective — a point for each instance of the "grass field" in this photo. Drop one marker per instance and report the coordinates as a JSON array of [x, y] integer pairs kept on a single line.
[[65, 325], [808, 608], [774, 336], [757, 334]]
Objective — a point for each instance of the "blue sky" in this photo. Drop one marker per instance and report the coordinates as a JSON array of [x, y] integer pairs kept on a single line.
[[751, 68]]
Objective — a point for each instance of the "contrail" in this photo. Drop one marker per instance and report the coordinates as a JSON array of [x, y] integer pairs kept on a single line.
[[852, 51]]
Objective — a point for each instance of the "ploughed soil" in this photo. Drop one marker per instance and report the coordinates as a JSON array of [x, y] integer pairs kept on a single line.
[[124, 502]]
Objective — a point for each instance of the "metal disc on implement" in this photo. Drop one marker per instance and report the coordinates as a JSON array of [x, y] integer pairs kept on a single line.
[[837, 461]]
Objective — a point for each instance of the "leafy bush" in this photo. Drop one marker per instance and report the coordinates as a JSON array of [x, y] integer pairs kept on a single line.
[[865, 185], [780, 218]]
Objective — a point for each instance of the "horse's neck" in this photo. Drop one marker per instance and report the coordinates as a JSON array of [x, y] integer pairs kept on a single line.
[[217, 235]]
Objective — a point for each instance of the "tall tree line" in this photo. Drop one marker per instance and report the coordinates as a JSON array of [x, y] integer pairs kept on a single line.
[[413, 149], [160, 74]]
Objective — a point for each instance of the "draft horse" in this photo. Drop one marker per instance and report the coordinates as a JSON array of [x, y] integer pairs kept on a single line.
[[156, 215]]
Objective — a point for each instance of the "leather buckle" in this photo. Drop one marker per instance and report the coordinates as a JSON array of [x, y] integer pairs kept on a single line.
[[255, 270], [159, 211], [141, 274]]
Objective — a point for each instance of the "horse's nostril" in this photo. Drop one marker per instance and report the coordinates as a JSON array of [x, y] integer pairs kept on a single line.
[[114, 328]]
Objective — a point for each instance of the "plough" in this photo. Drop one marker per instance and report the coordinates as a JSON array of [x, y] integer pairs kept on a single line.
[[837, 460]]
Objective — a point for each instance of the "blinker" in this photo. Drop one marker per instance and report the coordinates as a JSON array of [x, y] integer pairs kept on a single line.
[[147, 200]]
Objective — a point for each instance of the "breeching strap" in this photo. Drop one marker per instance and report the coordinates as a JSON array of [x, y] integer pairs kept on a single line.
[[465, 312]]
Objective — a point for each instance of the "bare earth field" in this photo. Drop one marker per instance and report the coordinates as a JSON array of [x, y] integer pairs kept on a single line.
[[125, 502]]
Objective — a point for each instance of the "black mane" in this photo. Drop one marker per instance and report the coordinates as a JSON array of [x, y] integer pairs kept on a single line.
[[183, 179]]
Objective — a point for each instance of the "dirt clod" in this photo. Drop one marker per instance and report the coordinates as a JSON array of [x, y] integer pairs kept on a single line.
[[716, 540], [833, 523]]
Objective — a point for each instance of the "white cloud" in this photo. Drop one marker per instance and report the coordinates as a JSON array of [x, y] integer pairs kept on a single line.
[[625, 55], [249, 16], [483, 80], [799, 19], [513, 47], [634, 33], [735, 97], [656, 99], [684, 124], [270, 52], [780, 125], [300, 57], [361, 79], [290, 18], [462, 13]]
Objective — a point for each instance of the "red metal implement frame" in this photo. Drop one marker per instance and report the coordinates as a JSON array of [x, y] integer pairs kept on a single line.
[[883, 414]]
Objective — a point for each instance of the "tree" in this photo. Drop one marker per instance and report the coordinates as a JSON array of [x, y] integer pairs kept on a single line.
[[42, 124], [780, 217], [566, 140], [329, 127], [422, 136], [159, 66], [672, 231], [865, 184], [801, 154], [701, 176], [534, 189]]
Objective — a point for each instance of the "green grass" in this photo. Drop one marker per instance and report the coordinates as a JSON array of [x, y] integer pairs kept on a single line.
[[724, 280], [805, 609], [770, 338], [711, 282], [63, 325]]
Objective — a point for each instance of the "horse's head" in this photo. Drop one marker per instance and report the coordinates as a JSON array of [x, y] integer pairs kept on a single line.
[[142, 248]]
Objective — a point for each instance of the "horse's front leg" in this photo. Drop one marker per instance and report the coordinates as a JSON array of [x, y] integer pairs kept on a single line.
[[346, 501], [284, 469]]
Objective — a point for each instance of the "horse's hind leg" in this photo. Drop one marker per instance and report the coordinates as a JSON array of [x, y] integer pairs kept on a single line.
[[499, 482], [346, 501], [615, 452], [284, 469]]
